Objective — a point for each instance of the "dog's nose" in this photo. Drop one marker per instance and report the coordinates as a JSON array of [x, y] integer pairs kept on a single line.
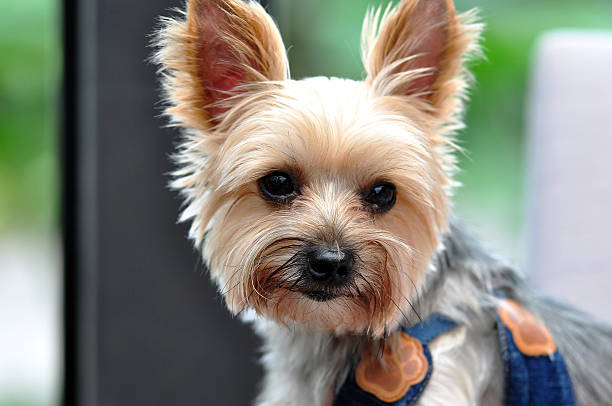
[[329, 266]]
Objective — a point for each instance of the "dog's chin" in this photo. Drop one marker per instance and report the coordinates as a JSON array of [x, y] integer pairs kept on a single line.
[[324, 311]]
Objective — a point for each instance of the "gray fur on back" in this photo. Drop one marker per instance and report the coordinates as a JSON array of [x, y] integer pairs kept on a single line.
[[463, 288], [586, 346]]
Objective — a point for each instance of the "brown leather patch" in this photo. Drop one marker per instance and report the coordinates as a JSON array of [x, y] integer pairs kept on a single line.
[[389, 378], [530, 335]]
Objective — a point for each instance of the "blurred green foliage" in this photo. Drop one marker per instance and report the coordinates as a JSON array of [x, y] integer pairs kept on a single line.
[[323, 39], [29, 108], [493, 171]]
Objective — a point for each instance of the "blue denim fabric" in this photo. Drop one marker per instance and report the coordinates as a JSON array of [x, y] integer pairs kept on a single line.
[[530, 381], [352, 395], [533, 381]]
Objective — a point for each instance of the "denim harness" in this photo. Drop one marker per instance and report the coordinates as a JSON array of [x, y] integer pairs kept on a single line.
[[530, 380]]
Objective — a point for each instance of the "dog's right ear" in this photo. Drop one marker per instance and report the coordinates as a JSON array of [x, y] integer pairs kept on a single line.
[[213, 53]]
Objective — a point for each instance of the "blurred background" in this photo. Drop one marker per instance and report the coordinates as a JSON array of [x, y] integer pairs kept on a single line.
[[323, 39], [30, 251]]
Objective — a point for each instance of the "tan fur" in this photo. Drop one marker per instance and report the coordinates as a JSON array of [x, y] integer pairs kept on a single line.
[[337, 137]]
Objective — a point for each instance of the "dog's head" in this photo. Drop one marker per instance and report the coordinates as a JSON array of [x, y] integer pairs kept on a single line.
[[318, 201]]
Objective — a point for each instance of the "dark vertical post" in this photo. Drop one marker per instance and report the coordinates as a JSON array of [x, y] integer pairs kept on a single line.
[[80, 205], [143, 323], [68, 186]]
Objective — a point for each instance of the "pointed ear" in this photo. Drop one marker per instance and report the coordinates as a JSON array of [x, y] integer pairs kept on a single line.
[[220, 46], [417, 49]]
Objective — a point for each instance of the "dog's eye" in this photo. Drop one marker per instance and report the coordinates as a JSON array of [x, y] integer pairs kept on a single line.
[[381, 196], [277, 186]]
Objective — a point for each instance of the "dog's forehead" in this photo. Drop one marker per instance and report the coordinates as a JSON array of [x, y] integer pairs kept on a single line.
[[331, 125]]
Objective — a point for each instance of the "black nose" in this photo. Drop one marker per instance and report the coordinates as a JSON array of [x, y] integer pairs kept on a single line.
[[333, 267]]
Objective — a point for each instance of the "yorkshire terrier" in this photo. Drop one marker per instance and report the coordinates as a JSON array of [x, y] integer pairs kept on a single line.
[[322, 210]]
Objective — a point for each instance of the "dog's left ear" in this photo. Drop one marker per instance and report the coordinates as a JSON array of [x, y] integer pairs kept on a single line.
[[417, 49]]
